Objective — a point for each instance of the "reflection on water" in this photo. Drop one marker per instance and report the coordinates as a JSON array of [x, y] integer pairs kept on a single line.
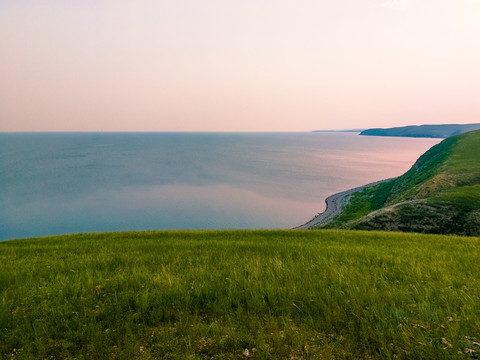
[[74, 182]]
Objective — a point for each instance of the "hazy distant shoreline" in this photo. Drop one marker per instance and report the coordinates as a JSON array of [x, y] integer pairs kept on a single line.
[[423, 131], [339, 131]]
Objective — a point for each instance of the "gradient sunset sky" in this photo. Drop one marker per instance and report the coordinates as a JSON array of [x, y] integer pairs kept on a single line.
[[237, 65]]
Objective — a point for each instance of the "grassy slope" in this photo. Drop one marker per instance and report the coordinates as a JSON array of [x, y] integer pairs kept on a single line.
[[439, 194], [213, 294]]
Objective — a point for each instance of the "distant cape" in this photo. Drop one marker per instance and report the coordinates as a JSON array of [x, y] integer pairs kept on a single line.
[[432, 131]]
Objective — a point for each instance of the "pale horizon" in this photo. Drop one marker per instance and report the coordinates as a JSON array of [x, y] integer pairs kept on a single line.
[[227, 66]]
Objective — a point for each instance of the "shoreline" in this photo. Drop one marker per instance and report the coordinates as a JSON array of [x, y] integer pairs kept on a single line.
[[335, 203]]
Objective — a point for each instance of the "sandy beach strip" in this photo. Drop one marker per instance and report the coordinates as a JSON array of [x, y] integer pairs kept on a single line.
[[335, 203]]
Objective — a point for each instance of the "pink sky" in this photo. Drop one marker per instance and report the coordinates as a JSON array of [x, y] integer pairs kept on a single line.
[[229, 65]]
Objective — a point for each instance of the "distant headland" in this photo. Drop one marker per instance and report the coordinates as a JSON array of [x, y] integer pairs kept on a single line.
[[432, 131]]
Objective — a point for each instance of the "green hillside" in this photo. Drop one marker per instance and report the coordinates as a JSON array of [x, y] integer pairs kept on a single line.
[[240, 295], [439, 194], [435, 131]]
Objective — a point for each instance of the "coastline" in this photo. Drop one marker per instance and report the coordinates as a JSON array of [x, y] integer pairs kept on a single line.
[[335, 203]]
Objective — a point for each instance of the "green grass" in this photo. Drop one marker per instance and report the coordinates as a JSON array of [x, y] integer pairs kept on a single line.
[[213, 294], [463, 164], [362, 203], [439, 194], [465, 198]]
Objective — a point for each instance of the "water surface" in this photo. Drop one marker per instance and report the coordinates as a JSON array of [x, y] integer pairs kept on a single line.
[[55, 183]]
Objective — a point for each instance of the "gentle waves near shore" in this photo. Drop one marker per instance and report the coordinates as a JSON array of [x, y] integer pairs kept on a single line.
[[55, 183]]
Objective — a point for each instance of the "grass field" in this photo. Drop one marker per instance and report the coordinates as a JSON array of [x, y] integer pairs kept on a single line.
[[240, 294]]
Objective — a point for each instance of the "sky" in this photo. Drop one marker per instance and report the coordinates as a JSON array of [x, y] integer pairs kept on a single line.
[[229, 65]]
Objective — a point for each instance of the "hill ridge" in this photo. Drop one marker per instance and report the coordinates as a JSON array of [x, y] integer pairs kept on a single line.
[[434, 131], [439, 194]]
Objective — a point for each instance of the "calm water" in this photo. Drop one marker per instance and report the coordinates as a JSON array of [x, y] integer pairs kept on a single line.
[[54, 183]]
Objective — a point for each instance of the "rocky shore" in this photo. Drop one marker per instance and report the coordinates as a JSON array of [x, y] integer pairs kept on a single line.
[[335, 203]]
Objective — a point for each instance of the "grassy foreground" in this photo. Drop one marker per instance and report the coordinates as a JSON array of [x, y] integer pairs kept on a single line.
[[240, 294]]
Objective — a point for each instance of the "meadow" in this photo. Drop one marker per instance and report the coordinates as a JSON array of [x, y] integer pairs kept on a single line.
[[315, 294]]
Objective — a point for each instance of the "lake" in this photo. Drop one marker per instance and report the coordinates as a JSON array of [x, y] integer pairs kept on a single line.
[[56, 183]]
